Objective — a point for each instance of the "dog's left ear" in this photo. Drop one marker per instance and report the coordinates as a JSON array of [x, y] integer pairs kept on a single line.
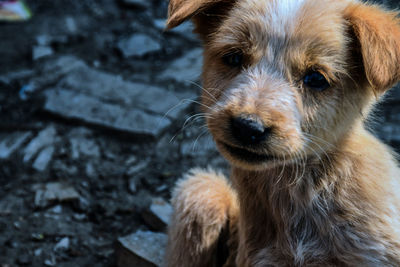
[[205, 14], [378, 35]]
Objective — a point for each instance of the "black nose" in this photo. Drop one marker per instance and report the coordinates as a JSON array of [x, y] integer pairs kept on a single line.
[[249, 131]]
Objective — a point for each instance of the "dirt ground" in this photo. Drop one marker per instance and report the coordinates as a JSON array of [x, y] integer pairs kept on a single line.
[[72, 180]]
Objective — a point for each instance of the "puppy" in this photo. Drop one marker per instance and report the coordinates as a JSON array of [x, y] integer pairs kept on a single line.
[[288, 85]]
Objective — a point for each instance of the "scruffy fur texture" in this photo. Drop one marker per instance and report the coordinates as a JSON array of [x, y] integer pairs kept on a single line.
[[321, 191]]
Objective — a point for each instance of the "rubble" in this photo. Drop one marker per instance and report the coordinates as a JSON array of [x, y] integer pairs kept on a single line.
[[44, 139], [143, 248], [62, 245], [43, 159], [185, 69], [82, 144], [93, 111], [158, 215], [41, 51], [10, 143], [138, 45], [47, 194]]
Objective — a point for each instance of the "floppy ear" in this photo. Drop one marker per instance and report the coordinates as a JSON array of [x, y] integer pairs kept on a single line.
[[205, 13], [378, 34]]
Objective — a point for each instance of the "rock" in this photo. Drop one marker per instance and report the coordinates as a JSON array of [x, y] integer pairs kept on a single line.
[[45, 138], [137, 167], [62, 245], [10, 143], [91, 110], [46, 40], [43, 159], [113, 89], [54, 69], [51, 261], [141, 249], [137, 3], [71, 25], [185, 69], [16, 75], [132, 186], [201, 145], [41, 51], [52, 192], [138, 45], [185, 29], [82, 144], [158, 215]]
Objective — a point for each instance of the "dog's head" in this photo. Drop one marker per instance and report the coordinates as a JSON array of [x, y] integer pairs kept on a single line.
[[285, 79]]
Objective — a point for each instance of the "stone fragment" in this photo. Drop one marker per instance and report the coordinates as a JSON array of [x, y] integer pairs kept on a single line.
[[52, 192], [82, 144], [43, 159], [71, 25], [133, 185], [41, 51], [16, 75], [91, 110], [45, 138], [55, 69], [10, 143], [62, 245], [185, 69], [138, 45], [200, 145], [112, 88], [185, 29], [158, 215], [143, 248], [134, 169]]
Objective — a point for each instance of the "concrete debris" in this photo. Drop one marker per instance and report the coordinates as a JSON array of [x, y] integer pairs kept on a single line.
[[62, 245], [138, 45], [44, 139], [186, 69], [143, 248], [200, 145], [43, 159], [54, 192], [184, 30], [10, 143], [93, 111], [158, 215], [41, 51], [132, 170], [82, 144]]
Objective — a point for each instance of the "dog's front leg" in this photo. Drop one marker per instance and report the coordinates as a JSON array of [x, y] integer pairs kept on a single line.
[[203, 232]]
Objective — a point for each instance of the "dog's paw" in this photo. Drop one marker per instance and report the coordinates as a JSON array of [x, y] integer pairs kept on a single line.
[[203, 204]]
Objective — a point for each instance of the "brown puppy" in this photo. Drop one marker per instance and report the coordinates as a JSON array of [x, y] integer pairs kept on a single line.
[[287, 86]]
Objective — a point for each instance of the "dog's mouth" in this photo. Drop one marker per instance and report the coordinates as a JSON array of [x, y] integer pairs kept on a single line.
[[246, 155]]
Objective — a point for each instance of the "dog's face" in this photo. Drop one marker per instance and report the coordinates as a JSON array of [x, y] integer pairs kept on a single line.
[[288, 79]]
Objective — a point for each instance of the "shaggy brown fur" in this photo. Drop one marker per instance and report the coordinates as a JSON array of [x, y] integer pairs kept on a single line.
[[320, 190]]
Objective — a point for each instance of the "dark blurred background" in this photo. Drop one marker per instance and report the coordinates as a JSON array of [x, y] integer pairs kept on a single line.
[[97, 122]]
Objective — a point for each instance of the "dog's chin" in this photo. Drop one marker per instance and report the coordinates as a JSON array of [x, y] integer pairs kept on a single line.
[[246, 159]]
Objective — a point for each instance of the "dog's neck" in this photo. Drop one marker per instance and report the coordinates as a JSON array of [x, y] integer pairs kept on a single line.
[[292, 196]]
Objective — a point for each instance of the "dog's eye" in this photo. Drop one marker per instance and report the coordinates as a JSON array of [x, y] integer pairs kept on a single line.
[[315, 81], [234, 59]]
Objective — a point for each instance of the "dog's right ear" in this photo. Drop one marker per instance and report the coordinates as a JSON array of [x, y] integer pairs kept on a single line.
[[205, 13]]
